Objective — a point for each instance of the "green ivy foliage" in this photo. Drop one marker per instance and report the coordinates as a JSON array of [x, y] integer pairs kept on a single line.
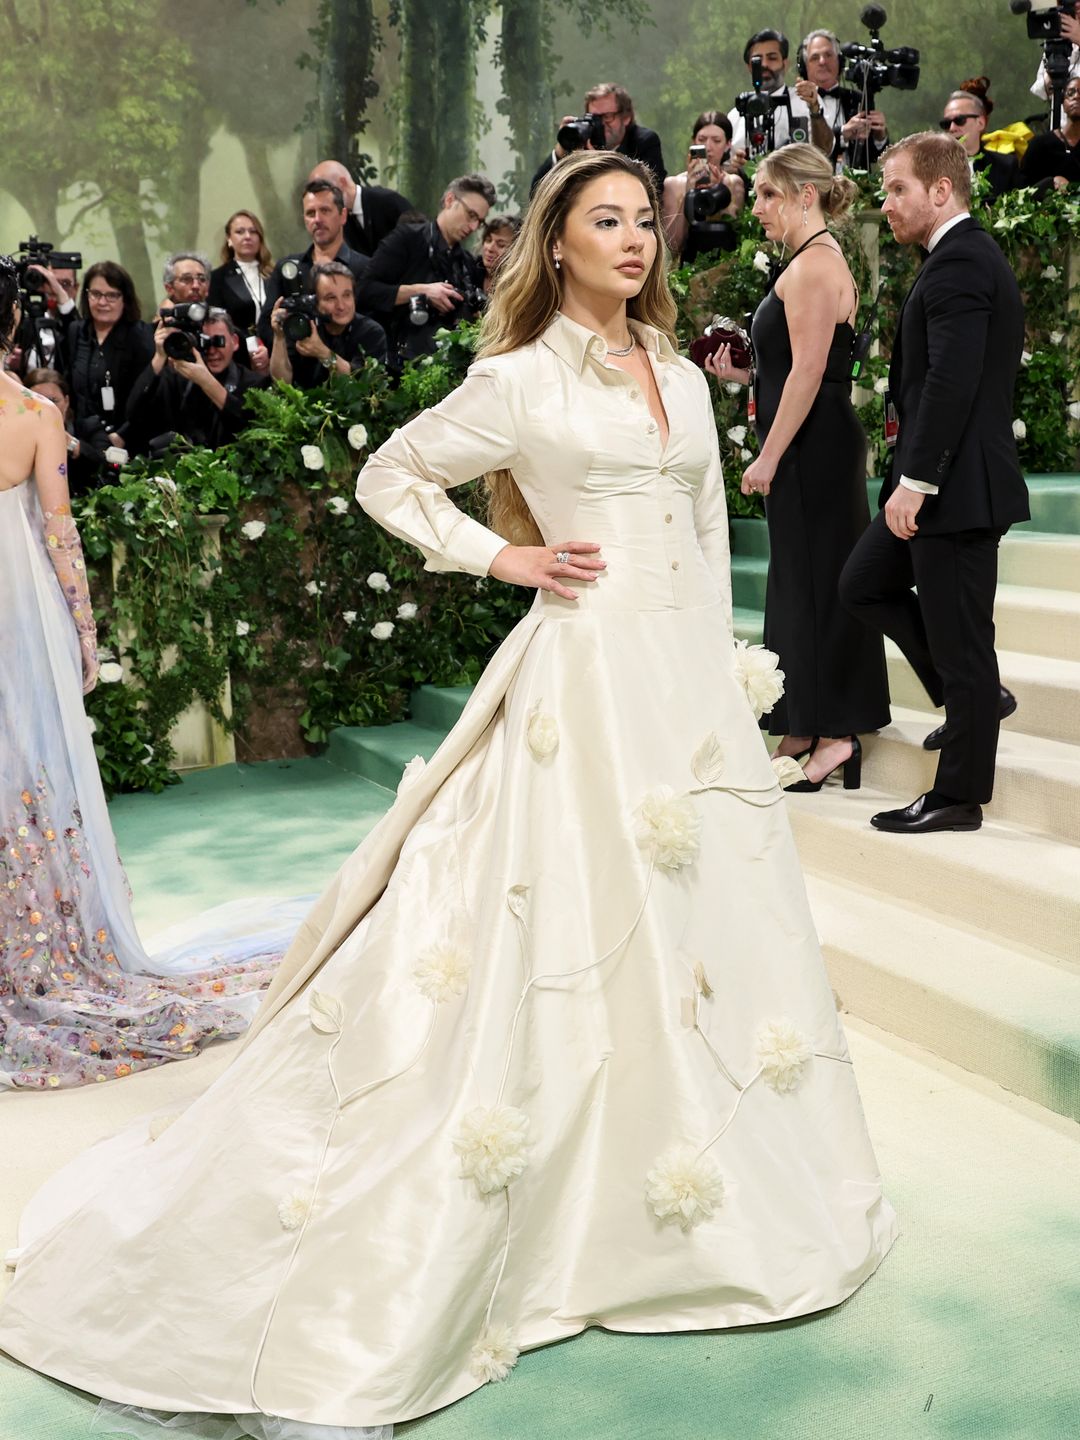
[[246, 573]]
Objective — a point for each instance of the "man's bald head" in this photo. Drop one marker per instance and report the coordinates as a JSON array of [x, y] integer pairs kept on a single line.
[[338, 175]]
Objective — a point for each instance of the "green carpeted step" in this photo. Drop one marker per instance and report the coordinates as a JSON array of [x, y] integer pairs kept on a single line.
[[748, 576], [749, 537], [381, 753], [438, 707], [748, 625]]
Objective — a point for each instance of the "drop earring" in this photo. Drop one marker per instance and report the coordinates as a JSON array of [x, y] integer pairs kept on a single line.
[[805, 214], [558, 262]]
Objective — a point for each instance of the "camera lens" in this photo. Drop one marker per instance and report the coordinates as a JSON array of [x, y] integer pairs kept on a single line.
[[178, 346], [296, 326], [418, 310]]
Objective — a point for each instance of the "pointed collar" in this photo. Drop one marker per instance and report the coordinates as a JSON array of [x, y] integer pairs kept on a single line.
[[574, 343]]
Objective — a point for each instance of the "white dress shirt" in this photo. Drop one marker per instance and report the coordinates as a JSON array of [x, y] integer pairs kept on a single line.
[[800, 111]]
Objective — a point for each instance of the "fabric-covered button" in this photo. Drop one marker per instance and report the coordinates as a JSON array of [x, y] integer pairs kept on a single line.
[[667, 519], [674, 564], [634, 393]]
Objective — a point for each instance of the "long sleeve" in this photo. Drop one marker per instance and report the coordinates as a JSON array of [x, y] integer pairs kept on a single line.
[[66, 554], [710, 514], [401, 259], [403, 486]]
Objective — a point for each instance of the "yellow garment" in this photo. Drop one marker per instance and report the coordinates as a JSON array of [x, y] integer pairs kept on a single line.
[[1012, 140]]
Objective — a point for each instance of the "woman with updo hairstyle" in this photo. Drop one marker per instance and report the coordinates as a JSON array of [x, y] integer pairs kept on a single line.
[[965, 116], [712, 129], [811, 470]]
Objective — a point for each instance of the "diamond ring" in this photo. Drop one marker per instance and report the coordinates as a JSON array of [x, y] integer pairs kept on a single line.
[[562, 557]]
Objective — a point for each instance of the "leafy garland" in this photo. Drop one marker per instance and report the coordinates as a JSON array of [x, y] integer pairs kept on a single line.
[[317, 618]]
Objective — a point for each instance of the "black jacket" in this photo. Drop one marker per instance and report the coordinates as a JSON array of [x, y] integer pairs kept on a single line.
[[160, 404], [416, 255], [128, 349], [275, 288], [382, 209], [229, 291], [1002, 168], [362, 338], [638, 143], [955, 359], [1048, 155]]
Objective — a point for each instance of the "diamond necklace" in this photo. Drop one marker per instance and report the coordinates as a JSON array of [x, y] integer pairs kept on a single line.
[[629, 348]]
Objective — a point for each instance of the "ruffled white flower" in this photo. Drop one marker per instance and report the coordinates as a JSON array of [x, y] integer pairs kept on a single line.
[[737, 434], [357, 436], [407, 610], [313, 587], [1019, 429], [1056, 337], [110, 673], [337, 505], [881, 384], [312, 457], [243, 628], [732, 387], [293, 1209], [669, 826], [378, 581], [762, 679], [442, 971], [254, 529], [1051, 273], [787, 771], [782, 1051], [415, 767], [494, 1355], [761, 261], [382, 630], [745, 455], [541, 734], [349, 616], [492, 1145], [684, 1186]]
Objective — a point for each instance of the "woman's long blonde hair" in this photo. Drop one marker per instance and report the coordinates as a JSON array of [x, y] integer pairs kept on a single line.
[[528, 292]]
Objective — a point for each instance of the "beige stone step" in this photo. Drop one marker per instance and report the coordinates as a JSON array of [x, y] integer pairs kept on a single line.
[[1038, 621], [1037, 784], [1017, 886], [1031, 557], [998, 1011]]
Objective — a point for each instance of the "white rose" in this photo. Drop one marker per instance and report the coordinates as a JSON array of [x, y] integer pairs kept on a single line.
[[110, 673], [733, 387], [881, 384], [383, 630], [745, 455], [737, 434], [254, 529], [1074, 410], [407, 611], [357, 437], [761, 262], [1056, 337], [243, 628], [349, 616], [1025, 357], [312, 457], [378, 581], [1019, 429], [1051, 272], [337, 505]]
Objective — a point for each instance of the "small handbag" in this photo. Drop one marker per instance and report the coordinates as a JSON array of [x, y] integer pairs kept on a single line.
[[722, 330]]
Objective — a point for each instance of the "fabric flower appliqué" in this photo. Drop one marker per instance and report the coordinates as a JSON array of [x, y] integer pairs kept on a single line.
[[783, 1051], [757, 670], [669, 826], [494, 1355], [684, 1186], [787, 771], [442, 972], [293, 1209], [492, 1145], [541, 734]]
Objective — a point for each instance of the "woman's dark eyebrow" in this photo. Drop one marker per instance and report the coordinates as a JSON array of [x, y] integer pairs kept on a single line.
[[619, 209]]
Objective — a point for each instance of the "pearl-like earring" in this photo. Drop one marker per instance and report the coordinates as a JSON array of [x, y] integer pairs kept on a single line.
[[558, 262]]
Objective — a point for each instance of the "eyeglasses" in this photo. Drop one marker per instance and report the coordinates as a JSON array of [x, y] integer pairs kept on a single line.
[[951, 120], [199, 279], [478, 219], [105, 297]]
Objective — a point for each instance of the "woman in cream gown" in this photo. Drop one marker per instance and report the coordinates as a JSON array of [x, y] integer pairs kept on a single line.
[[556, 1048]]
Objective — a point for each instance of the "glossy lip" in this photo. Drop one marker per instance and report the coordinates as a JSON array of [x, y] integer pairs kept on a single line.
[[635, 266]]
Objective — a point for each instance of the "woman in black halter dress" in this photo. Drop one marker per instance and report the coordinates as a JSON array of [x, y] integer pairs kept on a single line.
[[836, 685]]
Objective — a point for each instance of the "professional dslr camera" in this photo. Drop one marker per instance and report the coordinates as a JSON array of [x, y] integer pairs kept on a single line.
[[301, 307], [42, 252], [186, 322], [758, 109], [1044, 23], [871, 68], [702, 206], [576, 134]]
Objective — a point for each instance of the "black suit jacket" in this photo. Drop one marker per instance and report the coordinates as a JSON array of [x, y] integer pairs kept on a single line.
[[639, 143], [229, 291], [382, 209], [955, 359]]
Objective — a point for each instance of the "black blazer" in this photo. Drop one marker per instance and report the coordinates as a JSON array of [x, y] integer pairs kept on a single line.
[[639, 143], [382, 209], [955, 359], [229, 291], [128, 347]]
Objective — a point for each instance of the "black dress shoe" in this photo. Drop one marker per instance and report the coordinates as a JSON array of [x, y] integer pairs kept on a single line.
[[852, 768], [1006, 707], [917, 820]]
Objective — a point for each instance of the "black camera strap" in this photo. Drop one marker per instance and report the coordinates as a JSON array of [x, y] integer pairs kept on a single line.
[[865, 338]]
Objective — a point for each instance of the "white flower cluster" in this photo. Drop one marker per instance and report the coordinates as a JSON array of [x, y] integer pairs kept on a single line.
[[737, 434], [757, 669], [492, 1145], [494, 1355], [541, 734], [442, 971], [669, 827], [782, 1051], [243, 628], [684, 1186], [293, 1209], [1019, 429]]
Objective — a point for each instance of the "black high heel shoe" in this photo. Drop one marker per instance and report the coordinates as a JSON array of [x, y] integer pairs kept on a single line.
[[852, 773], [805, 754]]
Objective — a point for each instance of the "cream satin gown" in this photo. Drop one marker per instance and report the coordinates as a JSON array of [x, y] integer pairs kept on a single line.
[[556, 1048]]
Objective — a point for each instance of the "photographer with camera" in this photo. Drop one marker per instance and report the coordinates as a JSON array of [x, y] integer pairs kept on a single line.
[[607, 124], [709, 189], [193, 386], [422, 279], [48, 285], [1059, 30], [964, 118], [373, 210], [1053, 160], [840, 122], [108, 347], [321, 334], [325, 214], [770, 114]]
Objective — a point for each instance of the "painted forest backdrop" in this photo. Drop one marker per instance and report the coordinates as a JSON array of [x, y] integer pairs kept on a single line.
[[134, 127]]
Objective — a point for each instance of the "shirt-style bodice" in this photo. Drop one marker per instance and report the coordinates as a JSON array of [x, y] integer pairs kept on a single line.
[[588, 457]]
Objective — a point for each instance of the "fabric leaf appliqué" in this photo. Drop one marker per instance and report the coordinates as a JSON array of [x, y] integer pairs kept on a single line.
[[326, 1013], [787, 771], [707, 764], [541, 734]]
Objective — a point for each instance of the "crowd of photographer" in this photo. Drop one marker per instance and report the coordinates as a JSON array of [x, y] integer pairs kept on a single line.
[[379, 279]]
